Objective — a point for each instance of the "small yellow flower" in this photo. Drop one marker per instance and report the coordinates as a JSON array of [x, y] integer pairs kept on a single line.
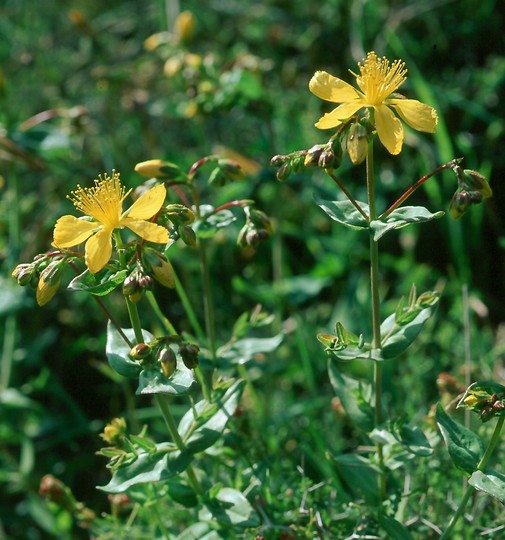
[[103, 204], [377, 81]]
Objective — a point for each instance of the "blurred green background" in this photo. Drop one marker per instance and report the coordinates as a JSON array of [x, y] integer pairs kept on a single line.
[[90, 86]]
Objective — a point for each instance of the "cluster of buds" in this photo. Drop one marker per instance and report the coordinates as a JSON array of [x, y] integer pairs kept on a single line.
[[44, 274], [180, 218], [256, 229], [164, 353], [114, 432], [485, 398], [137, 282], [55, 491], [353, 136], [473, 188], [226, 171]]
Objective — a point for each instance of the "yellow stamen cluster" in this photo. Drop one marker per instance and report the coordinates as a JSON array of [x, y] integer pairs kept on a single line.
[[103, 201], [379, 79]]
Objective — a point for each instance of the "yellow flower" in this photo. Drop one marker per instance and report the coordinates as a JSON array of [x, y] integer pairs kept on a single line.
[[103, 204], [377, 81]]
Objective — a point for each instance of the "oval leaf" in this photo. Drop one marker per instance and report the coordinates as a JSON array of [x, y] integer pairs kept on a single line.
[[152, 381], [465, 447], [344, 212], [98, 284], [150, 467], [401, 217], [492, 484], [230, 507], [118, 351]]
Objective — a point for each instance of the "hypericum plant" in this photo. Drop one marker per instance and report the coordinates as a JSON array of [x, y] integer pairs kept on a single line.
[[107, 249], [373, 109]]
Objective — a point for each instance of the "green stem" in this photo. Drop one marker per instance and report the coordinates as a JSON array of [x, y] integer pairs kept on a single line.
[[188, 308], [374, 288], [162, 401], [167, 325], [481, 466], [208, 305]]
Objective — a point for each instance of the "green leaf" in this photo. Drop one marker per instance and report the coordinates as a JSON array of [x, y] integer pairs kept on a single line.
[[465, 447], [207, 227], [360, 475], [118, 351], [152, 381], [204, 423], [413, 440], [230, 508], [491, 483], [394, 529], [243, 350], [199, 531], [182, 493], [400, 331], [345, 212], [401, 217], [98, 284], [148, 467], [354, 397]]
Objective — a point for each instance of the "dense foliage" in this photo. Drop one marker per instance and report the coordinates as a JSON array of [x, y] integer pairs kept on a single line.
[[87, 87]]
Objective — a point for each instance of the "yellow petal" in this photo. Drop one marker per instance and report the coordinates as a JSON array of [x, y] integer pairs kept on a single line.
[[335, 117], [329, 88], [417, 115], [389, 128], [147, 204], [146, 230], [70, 231], [98, 250]]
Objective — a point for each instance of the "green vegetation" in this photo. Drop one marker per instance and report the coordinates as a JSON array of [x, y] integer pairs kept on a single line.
[[322, 406]]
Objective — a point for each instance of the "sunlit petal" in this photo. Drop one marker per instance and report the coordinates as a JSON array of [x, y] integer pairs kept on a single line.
[[329, 88], [417, 115], [335, 117], [147, 204], [98, 250], [147, 230], [70, 231], [389, 128]]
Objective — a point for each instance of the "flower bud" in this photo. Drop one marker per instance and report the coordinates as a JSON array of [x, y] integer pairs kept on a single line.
[[278, 160], [140, 351], [459, 204], [476, 182], [357, 143], [56, 491], [187, 235], [179, 214], [114, 431], [131, 284], [159, 266], [284, 171], [184, 27], [25, 274], [156, 168], [189, 355], [313, 155], [168, 361], [49, 282]]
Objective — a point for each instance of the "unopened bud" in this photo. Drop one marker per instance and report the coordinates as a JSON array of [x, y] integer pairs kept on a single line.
[[168, 361], [184, 27], [459, 204], [189, 355], [114, 431], [156, 168], [357, 143], [140, 351], [313, 155], [278, 160], [476, 182], [187, 235], [24, 274], [284, 171], [49, 282], [159, 266]]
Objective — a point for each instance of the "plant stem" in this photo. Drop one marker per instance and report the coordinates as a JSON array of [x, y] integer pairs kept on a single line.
[[450, 165], [374, 288], [481, 466], [162, 401], [347, 194], [207, 300]]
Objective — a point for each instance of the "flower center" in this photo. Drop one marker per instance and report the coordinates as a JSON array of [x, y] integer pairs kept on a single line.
[[103, 201], [378, 78]]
